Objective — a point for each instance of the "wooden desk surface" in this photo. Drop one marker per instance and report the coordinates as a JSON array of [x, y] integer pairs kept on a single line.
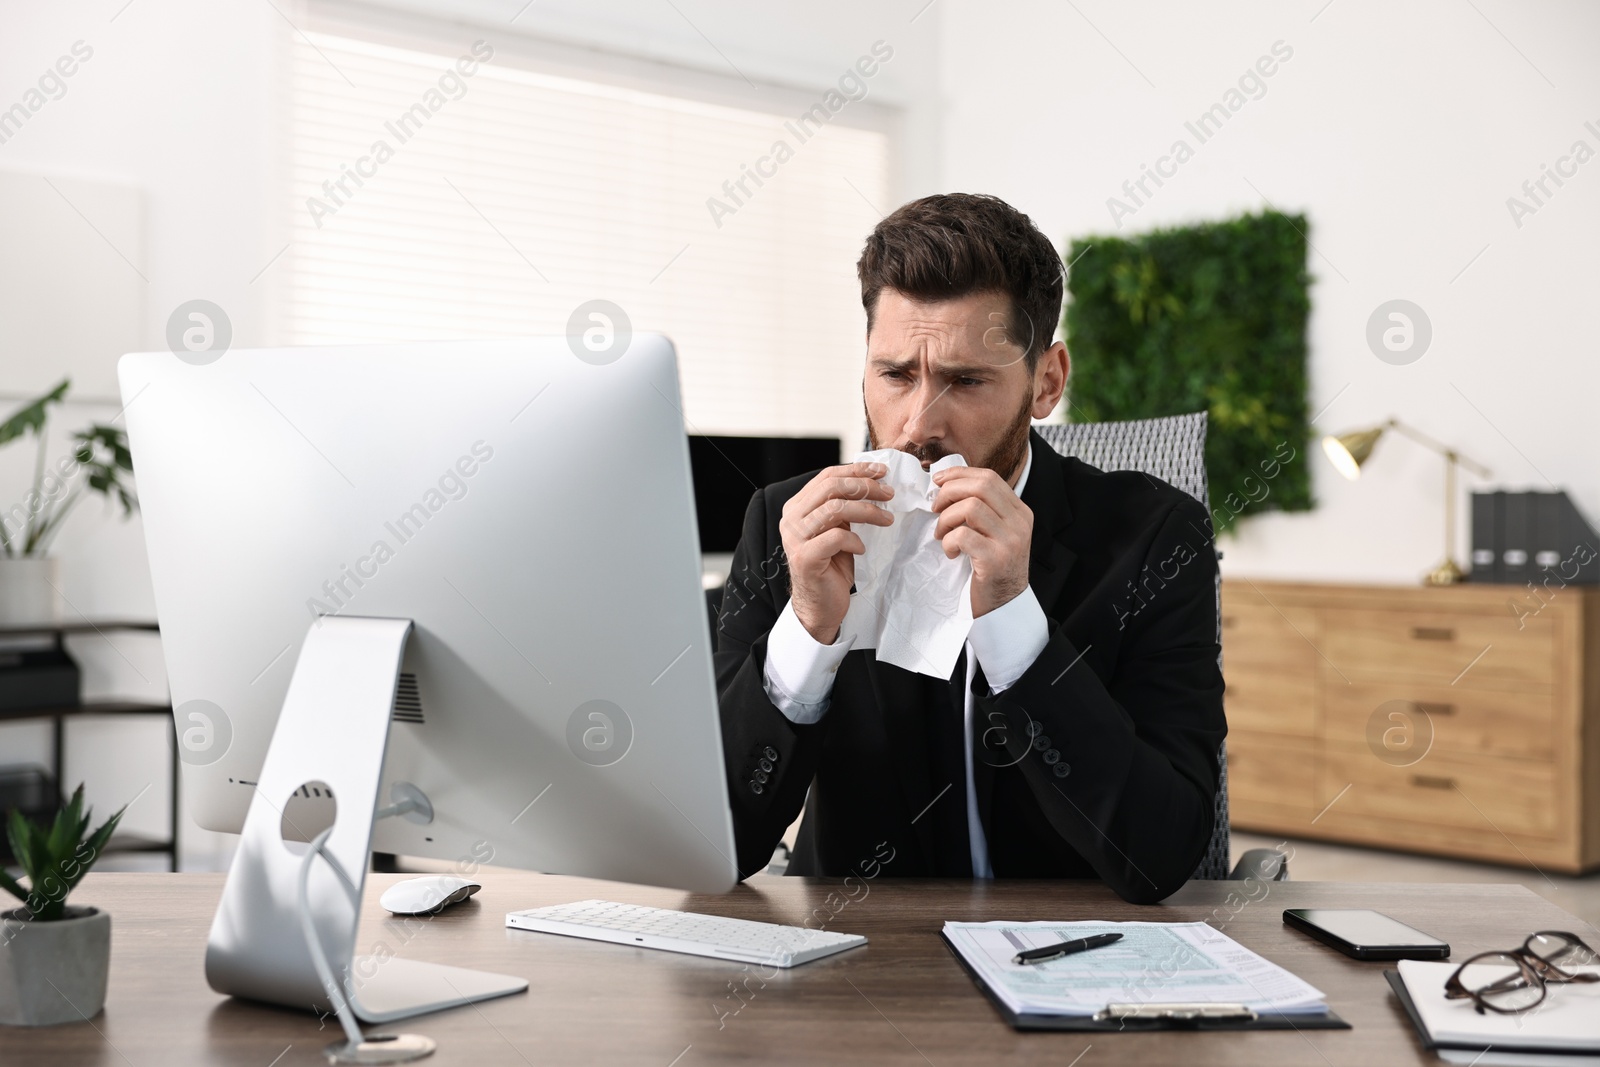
[[901, 999]]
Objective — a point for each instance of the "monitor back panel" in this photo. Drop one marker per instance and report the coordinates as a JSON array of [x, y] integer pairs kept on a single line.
[[530, 511]]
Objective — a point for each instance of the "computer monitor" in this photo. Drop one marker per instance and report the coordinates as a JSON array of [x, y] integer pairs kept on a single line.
[[728, 469], [528, 508]]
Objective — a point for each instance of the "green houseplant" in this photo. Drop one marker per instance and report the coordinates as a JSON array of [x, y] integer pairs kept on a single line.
[[98, 462], [54, 957], [1209, 317]]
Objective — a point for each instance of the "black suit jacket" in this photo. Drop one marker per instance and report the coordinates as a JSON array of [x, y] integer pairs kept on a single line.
[[1101, 761]]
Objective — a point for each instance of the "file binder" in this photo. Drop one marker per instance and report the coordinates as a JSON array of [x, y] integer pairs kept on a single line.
[[1580, 546], [1516, 523], [1486, 508], [1547, 543], [1537, 537]]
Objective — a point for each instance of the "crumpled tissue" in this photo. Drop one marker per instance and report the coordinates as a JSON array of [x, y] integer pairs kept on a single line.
[[911, 604]]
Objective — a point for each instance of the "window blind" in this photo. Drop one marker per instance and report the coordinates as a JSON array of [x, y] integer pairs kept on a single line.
[[429, 203]]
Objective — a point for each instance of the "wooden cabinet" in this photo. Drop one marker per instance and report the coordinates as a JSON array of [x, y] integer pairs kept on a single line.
[[1462, 721]]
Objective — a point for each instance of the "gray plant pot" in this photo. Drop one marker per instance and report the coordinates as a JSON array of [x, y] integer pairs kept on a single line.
[[54, 972], [28, 591]]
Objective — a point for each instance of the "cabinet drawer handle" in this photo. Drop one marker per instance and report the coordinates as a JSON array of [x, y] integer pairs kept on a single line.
[[1433, 633], [1436, 709], [1425, 781]]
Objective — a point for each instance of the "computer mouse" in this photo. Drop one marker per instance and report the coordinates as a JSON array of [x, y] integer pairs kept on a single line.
[[420, 896]]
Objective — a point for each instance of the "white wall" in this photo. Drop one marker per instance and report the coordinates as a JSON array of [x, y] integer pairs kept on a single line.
[[179, 101], [1400, 130], [173, 102]]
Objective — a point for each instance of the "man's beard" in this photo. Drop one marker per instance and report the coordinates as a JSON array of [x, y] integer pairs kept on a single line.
[[1005, 459]]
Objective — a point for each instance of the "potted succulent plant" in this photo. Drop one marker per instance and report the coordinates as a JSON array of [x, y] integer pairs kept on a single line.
[[54, 958], [99, 462]]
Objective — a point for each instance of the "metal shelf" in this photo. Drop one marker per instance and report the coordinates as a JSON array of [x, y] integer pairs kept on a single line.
[[59, 716]]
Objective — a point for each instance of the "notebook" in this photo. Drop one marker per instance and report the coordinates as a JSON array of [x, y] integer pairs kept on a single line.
[[1567, 1021]]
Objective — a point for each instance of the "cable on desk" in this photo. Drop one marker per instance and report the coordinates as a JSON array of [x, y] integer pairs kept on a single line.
[[319, 958]]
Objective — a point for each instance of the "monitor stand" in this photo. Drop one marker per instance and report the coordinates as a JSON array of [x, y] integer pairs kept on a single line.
[[333, 730]]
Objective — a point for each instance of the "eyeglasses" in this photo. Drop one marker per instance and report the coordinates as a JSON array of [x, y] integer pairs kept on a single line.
[[1509, 982]]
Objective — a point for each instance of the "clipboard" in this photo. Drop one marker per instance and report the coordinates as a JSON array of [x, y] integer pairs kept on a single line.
[[1176, 1019]]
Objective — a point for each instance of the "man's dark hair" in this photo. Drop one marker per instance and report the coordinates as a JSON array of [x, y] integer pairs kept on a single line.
[[955, 244]]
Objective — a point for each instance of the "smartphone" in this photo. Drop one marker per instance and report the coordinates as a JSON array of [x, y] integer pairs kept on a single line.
[[1366, 935]]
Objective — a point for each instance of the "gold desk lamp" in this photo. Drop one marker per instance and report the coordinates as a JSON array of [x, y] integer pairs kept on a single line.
[[1349, 453]]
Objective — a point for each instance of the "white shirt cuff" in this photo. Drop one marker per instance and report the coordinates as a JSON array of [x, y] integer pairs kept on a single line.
[[1008, 639], [800, 671]]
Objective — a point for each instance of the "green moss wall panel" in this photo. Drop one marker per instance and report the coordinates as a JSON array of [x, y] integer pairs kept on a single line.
[[1206, 317]]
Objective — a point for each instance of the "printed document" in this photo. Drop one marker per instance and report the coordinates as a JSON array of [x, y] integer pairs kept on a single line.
[[1154, 963]]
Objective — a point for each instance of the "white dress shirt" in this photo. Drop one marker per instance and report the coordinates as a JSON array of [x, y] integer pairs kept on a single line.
[[800, 672]]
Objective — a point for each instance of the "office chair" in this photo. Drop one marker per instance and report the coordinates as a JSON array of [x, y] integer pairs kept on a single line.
[[1172, 449]]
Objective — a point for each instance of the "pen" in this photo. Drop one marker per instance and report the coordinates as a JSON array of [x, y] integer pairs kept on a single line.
[[1066, 948]]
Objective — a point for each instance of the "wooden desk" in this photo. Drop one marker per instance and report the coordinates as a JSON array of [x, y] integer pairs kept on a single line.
[[901, 999]]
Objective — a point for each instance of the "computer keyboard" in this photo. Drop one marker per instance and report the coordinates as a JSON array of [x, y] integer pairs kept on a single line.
[[679, 931]]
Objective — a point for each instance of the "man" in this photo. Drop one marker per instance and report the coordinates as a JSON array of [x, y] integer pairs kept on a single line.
[[1078, 734]]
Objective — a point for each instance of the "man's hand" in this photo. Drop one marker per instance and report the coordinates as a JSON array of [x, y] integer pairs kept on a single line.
[[821, 546], [980, 515]]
